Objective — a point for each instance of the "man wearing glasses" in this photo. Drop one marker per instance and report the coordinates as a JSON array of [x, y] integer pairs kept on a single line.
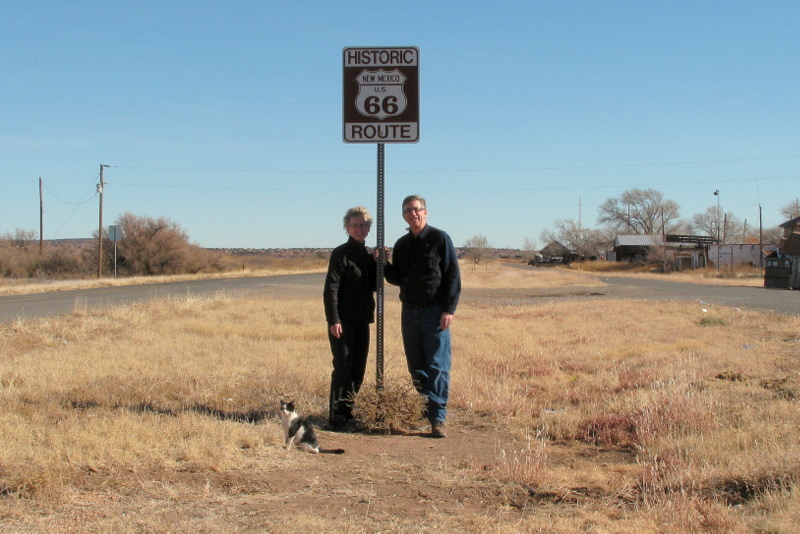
[[425, 266]]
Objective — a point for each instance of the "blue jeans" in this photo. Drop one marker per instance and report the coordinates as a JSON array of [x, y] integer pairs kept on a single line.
[[429, 356]]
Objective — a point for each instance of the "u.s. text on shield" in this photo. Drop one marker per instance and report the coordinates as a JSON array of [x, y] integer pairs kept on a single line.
[[380, 93]]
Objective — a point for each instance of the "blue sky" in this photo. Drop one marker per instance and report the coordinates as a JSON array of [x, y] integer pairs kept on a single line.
[[226, 117]]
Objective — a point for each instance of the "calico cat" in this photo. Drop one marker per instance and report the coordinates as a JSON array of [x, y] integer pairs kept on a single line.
[[298, 431]]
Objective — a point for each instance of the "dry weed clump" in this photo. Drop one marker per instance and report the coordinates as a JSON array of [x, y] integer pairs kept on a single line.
[[648, 410], [691, 513], [396, 408], [526, 465], [613, 430]]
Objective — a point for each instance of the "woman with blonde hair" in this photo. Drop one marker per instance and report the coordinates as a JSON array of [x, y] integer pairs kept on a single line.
[[349, 309]]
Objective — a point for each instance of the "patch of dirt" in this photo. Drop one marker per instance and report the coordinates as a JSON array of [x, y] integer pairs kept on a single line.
[[420, 475], [381, 482], [415, 472]]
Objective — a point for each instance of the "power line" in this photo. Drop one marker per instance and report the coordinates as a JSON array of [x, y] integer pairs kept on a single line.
[[66, 202], [420, 171], [456, 190], [75, 205]]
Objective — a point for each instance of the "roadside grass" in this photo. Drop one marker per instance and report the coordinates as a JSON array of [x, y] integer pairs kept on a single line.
[[498, 275], [620, 415], [739, 275]]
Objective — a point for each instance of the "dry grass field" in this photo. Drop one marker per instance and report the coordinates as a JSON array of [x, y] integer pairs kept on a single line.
[[566, 416]]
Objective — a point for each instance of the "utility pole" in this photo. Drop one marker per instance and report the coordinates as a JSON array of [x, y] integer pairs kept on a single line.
[[719, 230], [629, 218], [579, 212], [760, 238], [664, 239], [41, 218], [100, 229], [725, 228]]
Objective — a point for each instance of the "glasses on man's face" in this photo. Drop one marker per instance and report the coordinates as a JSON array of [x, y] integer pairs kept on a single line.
[[359, 225], [413, 209]]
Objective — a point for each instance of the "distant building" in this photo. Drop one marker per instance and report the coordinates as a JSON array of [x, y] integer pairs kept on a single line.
[[688, 251], [555, 250], [682, 252], [634, 247], [743, 254], [790, 242]]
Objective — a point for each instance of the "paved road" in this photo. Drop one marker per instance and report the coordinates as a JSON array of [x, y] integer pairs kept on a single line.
[[782, 301], [61, 302], [305, 285]]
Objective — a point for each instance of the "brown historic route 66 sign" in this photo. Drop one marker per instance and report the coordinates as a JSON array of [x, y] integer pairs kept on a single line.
[[381, 95]]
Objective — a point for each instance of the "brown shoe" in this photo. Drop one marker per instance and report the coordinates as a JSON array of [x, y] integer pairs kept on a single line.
[[437, 430]]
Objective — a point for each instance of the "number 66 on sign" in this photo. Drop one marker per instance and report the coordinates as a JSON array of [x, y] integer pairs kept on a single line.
[[381, 95]]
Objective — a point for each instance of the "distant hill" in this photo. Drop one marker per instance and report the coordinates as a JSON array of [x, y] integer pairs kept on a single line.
[[85, 242], [275, 252], [79, 242], [504, 254]]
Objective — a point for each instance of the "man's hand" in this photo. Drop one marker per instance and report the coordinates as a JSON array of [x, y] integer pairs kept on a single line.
[[446, 321], [376, 253]]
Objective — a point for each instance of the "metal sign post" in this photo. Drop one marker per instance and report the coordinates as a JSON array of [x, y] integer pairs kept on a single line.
[[379, 294], [380, 105]]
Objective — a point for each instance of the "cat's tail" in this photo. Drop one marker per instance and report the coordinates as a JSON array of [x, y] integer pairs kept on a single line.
[[331, 451]]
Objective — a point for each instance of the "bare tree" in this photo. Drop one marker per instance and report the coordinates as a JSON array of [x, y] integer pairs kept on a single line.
[[157, 246], [723, 227], [640, 211], [585, 241], [477, 247], [18, 258], [772, 236], [529, 246], [791, 210], [21, 238], [548, 235]]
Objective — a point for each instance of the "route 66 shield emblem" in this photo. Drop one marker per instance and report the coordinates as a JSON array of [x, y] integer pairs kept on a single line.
[[380, 93]]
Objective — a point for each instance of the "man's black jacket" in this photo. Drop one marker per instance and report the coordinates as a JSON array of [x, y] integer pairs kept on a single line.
[[426, 269]]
